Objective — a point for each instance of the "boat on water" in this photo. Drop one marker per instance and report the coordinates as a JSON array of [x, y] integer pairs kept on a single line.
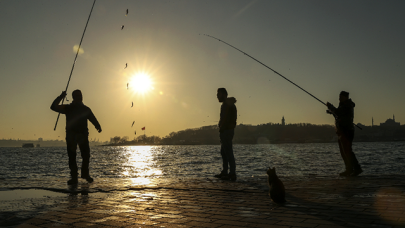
[[28, 145]]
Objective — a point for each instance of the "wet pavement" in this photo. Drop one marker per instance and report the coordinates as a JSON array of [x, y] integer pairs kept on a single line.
[[314, 201]]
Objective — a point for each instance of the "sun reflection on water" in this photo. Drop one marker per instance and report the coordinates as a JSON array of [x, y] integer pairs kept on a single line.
[[140, 161]]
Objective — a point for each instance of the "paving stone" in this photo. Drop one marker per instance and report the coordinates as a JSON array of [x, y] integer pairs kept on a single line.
[[270, 226], [366, 201], [296, 224], [26, 225], [199, 219], [330, 226], [36, 221], [202, 224], [169, 225], [145, 222], [86, 224], [222, 217], [231, 222], [259, 221]]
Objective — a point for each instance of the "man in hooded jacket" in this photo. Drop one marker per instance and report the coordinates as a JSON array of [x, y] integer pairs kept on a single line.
[[227, 124], [344, 116], [77, 132]]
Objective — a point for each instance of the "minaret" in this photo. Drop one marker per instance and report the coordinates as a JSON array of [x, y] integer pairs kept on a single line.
[[393, 117], [283, 121], [372, 121]]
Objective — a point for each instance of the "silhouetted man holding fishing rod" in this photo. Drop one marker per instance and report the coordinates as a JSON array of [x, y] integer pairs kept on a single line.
[[344, 121], [344, 115], [227, 123], [77, 132]]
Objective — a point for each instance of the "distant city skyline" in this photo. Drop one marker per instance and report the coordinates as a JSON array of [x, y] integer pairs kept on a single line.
[[159, 72]]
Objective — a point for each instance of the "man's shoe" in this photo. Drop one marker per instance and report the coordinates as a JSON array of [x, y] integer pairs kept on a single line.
[[221, 175], [231, 177], [72, 181], [345, 173], [88, 178], [356, 172]]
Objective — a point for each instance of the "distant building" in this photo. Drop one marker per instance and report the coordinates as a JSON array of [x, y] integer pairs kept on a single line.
[[283, 121], [390, 123], [40, 139]]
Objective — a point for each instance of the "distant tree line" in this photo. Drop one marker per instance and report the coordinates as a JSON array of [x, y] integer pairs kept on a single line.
[[255, 134], [244, 134], [140, 140], [265, 133]]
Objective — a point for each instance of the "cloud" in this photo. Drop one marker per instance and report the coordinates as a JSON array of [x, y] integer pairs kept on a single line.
[[81, 51]]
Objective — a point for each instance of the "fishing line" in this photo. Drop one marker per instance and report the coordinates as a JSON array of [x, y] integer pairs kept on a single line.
[[266, 67], [270, 69], [74, 62]]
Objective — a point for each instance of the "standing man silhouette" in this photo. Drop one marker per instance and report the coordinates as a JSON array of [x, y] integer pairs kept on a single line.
[[227, 124], [344, 115], [77, 132]]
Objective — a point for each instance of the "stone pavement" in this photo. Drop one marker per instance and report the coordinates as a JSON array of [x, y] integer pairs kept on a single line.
[[316, 201]]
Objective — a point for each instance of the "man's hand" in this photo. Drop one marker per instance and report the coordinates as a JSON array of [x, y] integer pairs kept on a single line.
[[99, 130], [63, 94], [330, 108], [329, 105]]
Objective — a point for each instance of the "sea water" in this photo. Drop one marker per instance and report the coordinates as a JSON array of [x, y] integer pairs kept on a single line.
[[33, 180], [376, 158]]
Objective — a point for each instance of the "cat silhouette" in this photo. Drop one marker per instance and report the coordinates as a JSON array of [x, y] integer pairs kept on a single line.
[[277, 190]]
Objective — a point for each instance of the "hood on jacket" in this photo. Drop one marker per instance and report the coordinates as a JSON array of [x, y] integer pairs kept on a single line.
[[350, 102], [230, 100]]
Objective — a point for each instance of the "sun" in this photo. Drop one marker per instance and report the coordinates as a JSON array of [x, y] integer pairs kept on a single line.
[[141, 83]]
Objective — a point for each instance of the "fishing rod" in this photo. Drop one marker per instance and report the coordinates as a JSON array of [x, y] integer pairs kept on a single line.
[[271, 70], [74, 62]]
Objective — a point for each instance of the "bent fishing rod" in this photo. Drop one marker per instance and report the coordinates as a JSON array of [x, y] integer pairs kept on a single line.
[[271, 70], [74, 62]]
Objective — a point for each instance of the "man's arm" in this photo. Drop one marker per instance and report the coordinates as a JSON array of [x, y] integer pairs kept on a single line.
[[94, 121], [340, 111], [222, 116], [55, 104], [331, 107], [235, 115]]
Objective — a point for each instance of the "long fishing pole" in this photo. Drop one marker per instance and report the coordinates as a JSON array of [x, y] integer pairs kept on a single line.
[[270, 69], [266, 67], [74, 62]]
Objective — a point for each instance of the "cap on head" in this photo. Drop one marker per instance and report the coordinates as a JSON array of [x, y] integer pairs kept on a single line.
[[344, 93], [223, 91], [77, 95]]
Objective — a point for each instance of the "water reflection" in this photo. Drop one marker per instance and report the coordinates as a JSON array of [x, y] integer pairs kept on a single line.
[[140, 161], [166, 163]]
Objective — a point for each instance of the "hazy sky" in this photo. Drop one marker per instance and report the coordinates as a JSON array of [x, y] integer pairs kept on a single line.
[[323, 46]]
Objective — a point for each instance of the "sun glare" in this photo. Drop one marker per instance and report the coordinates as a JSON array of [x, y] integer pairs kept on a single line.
[[141, 83]]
